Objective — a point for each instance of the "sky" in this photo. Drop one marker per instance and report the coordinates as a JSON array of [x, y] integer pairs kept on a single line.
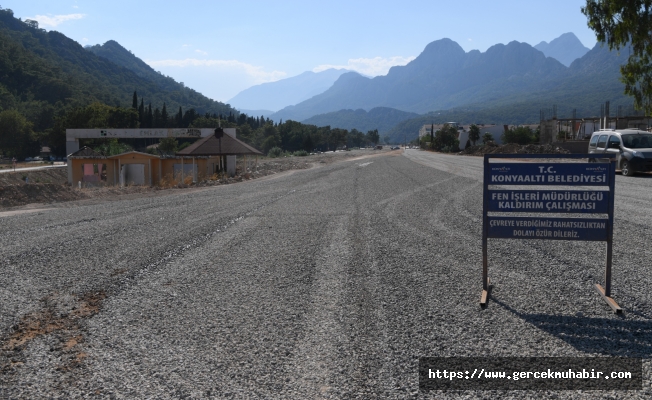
[[220, 48]]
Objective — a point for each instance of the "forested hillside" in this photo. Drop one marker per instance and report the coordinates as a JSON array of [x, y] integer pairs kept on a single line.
[[381, 118], [44, 75]]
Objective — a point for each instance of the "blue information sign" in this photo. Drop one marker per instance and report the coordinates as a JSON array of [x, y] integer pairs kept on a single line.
[[548, 228], [575, 191], [555, 201], [560, 174]]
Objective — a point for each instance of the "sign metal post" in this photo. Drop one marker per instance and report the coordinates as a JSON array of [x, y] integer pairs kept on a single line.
[[569, 187]]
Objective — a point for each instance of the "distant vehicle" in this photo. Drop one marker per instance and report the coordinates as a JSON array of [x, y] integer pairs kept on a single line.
[[37, 159], [632, 147], [29, 159], [379, 147]]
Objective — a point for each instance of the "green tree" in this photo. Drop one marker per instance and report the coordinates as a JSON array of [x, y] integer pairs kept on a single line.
[[93, 116], [487, 137], [446, 139], [16, 136], [307, 143], [424, 142], [518, 135], [164, 117], [373, 136], [474, 133], [627, 24], [111, 147], [141, 113], [168, 145], [134, 102], [150, 116]]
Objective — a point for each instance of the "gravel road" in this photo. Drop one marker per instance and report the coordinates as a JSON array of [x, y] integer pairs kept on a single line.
[[322, 283]]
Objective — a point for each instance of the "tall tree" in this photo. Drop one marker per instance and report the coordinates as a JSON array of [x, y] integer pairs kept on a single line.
[[622, 24], [158, 123], [474, 133], [446, 139], [141, 112], [134, 103], [180, 118], [164, 117], [16, 136], [150, 116]]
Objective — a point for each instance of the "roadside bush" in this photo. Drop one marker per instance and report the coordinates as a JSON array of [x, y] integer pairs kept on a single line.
[[487, 137], [300, 153], [519, 135], [168, 181], [275, 152]]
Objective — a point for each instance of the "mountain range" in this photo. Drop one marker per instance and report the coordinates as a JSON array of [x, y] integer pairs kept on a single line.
[[584, 87], [444, 76], [275, 95], [381, 118]]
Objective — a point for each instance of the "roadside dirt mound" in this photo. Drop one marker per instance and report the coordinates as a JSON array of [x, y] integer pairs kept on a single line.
[[50, 175], [512, 148], [16, 195], [50, 186]]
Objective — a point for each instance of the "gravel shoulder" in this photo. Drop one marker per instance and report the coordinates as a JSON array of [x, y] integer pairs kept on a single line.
[[328, 282]]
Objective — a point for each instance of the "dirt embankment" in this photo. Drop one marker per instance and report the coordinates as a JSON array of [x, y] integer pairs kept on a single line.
[[51, 185], [42, 186], [513, 148]]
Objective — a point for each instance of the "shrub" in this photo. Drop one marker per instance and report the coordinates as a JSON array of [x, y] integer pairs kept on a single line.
[[275, 152], [519, 135], [301, 153]]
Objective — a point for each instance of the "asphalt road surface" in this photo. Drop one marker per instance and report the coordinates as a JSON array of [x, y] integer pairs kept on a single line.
[[322, 283]]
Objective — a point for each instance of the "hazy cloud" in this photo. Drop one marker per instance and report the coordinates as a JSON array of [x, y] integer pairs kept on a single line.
[[202, 52], [54, 20], [369, 66], [258, 74]]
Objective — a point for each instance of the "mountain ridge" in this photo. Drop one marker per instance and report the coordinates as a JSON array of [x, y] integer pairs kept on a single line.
[[565, 49], [289, 91], [442, 76], [381, 118]]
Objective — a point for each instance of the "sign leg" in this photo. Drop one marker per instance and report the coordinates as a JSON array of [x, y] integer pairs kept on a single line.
[[606, 291], [485, 275]]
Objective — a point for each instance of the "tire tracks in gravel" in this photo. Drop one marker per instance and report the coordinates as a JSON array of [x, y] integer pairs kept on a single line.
[[63, 315]]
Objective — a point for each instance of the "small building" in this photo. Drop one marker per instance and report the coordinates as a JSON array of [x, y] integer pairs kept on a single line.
[[135, 168], [209, 155], [221, 146]]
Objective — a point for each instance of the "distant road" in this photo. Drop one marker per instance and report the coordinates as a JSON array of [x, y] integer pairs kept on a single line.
[[329, 282]]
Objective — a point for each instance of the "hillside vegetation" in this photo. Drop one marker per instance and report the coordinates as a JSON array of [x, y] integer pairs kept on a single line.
[[381, 118], [44, 75]]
